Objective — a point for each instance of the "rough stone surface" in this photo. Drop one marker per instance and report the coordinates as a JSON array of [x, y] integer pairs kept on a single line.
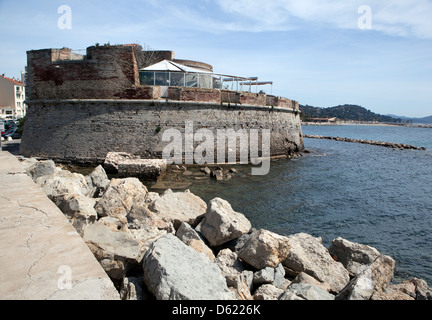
[[146, 226], [267, 292], [78, 208], [120, 196], [41, 168], [40, 249], [263, 276], [113, 249], [147, 169], [174, 271], [112, 160], [374, 277], [62, 182], [222, 224], [130, 127], [307, 254], [304, 278], [265, 249], [309, 292], [99, 180], [178, 207], [190, 237], [352, 255]]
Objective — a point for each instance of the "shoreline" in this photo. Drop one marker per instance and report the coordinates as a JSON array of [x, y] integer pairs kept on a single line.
[[131, 230], [360, 123]]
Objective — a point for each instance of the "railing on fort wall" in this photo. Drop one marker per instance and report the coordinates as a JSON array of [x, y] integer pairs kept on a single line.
[[221, 96]]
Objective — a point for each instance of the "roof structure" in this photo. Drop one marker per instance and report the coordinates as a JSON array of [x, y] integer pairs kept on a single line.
[[13, 81], [171, 66]]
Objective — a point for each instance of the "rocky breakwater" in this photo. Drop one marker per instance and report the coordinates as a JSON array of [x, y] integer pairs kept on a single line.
[[175, 246], [393, 145]]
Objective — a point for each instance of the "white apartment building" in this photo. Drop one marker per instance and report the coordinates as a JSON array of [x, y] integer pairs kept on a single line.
[[12, 97]]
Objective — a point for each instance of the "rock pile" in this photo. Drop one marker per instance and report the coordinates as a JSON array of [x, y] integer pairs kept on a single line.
[[393, 145], [176, 246]]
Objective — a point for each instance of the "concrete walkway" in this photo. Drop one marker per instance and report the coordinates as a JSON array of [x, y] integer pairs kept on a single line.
[[41, 254]]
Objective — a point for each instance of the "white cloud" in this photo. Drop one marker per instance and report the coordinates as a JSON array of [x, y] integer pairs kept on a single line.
[[395, 17]]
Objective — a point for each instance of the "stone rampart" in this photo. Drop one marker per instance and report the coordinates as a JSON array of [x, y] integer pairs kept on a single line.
[[80, 107], [86, 130]]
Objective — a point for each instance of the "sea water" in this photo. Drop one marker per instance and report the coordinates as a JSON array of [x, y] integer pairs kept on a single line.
[[368, 194]]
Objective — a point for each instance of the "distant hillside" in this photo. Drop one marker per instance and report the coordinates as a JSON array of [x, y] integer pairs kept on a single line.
[[425, 120], [345, 112]]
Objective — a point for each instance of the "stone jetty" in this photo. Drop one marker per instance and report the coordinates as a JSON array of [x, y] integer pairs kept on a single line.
[[176, 246], [371, 142]]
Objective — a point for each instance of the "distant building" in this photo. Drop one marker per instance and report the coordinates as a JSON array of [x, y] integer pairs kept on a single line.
[[323, 120], [12, 97]]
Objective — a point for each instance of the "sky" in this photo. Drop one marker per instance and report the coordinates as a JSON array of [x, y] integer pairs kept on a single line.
[[323, 53]]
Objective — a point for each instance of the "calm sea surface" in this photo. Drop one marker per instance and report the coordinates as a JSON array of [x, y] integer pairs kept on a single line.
[[366, 194]]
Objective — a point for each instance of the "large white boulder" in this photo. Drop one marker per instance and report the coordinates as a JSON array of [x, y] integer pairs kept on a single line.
[[222, 224], [175, 271]]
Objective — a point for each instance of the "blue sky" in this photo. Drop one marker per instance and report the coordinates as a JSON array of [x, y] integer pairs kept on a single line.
[[313, 50]]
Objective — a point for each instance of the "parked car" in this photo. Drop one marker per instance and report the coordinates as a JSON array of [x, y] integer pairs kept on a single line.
[[11, 133]]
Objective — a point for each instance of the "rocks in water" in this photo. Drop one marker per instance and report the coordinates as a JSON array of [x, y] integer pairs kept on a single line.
[[112, 159], [147, 169], [222, 224], [176, 246], [174, 271], [371, 142], [307, 254], [179, 207], [129, 165]]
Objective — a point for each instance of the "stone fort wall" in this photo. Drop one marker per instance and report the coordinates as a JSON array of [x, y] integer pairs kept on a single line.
[[82, 107]]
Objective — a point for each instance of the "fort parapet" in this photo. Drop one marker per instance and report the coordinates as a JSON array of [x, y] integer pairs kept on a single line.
[[80, 107]]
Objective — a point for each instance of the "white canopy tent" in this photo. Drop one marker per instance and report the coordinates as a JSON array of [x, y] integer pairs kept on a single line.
[[169, 73]]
